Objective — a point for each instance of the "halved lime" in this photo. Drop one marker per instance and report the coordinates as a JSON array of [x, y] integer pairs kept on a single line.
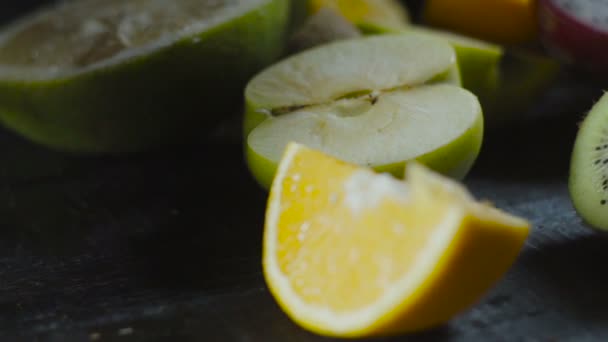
[[123, 75]]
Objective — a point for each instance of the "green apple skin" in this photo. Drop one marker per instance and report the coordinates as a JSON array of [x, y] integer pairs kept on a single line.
[[172, 95], [261, 168], [454, 160], [457, 158], [479, 61]]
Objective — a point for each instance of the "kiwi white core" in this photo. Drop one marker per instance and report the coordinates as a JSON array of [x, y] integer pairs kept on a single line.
[[329, 72], [77, 34], [388, 128]]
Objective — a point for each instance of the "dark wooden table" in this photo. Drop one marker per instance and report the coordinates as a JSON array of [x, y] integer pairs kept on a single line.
[[165, 246]]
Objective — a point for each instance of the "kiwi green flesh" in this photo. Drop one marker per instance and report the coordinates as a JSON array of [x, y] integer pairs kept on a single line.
[[377, 134], [75, 34], [588, 180]]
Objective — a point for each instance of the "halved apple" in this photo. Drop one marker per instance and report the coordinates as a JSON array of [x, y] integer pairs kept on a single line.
[[378, 101]]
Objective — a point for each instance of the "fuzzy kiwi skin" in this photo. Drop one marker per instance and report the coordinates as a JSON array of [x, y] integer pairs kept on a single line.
[[174, 95], [588, 192]]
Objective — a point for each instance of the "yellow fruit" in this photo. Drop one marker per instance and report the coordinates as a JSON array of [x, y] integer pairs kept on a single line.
[[351, 253], [500, 21], [371, 16]]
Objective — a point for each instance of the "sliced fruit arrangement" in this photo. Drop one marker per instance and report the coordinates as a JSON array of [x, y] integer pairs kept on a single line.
[[370, 16], [588, 182], [377, 101], [352, 253], [119, 76], [500, 21]]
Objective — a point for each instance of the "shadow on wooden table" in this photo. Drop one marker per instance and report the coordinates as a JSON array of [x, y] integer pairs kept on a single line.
[[538, 145], [190, 218], [571, 277]]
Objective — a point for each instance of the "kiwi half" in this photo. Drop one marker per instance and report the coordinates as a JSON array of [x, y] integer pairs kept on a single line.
[[588, 181]]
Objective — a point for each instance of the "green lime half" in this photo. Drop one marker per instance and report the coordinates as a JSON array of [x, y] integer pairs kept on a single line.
[[100, 76]]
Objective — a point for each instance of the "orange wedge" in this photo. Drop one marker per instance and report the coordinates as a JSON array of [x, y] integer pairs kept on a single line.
[[351, 253]]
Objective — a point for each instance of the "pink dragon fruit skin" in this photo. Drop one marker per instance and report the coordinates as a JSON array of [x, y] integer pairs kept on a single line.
[[573, 36]]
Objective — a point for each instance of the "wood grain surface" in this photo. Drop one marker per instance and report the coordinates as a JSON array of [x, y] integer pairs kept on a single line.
[[165, 246]]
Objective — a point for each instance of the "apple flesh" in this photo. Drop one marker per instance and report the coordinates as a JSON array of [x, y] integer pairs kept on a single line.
[[343, 68], [438, 125], [377, 101]]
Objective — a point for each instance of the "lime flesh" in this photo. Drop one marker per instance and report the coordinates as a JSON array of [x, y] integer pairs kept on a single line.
[[99, 76]]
